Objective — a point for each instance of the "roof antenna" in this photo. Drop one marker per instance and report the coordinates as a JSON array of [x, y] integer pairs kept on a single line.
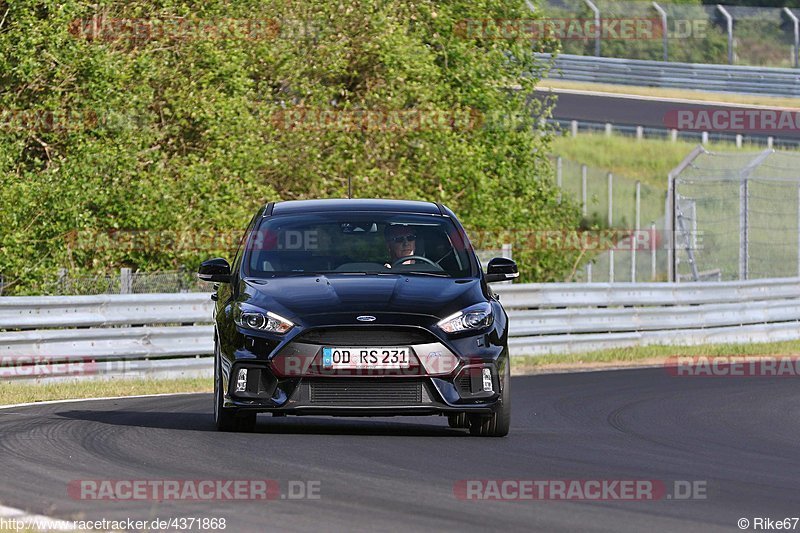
[[349, 187]]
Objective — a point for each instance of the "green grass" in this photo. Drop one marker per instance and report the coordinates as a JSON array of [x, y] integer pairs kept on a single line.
[[646, 160], [650, 161], [651, 355], [14, 393]]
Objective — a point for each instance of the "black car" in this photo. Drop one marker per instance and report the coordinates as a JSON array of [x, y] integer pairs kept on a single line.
[[359, 308]]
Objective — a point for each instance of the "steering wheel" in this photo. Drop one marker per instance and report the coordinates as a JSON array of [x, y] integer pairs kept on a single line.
[[417, 258]]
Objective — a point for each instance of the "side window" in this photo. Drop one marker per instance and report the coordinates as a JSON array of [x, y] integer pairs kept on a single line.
[[239, 250]]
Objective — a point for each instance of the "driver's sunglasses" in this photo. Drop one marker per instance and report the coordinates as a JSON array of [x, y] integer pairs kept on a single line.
[[403, 238]]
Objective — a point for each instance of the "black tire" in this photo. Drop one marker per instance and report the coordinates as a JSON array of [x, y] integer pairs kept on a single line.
[[246, 421], [499, 423], [227, 419], [459, 421]]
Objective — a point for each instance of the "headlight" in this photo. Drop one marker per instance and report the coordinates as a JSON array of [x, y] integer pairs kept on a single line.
[[252, 318], [472, 318]]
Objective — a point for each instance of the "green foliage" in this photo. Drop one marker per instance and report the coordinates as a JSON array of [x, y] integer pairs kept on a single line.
[[107, 127]]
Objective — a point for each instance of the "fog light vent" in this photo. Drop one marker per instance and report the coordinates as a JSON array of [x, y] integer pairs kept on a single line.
[[487, 380], [241, 380]]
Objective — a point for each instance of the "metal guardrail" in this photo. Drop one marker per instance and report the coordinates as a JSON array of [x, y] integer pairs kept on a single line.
[[24, 312], [724, 78], [136, 336], [106, 336], [583, 295], [574, 317]]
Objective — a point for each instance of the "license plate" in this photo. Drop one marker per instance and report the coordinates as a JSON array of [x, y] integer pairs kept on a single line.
[[372, 357]]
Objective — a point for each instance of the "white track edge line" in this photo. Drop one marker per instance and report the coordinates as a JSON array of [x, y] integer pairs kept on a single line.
[[73, 400], [49, 523], [663, 99]]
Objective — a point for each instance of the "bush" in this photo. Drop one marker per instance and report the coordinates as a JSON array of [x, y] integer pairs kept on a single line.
[[127, 116]]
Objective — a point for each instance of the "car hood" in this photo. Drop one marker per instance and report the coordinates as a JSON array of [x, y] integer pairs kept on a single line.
[[304, 297]]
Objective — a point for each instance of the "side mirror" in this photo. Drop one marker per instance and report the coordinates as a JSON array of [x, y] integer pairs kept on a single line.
[[215, 270], [501, 269]]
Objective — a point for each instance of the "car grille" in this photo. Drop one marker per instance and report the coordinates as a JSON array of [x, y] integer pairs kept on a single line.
[[367, 336], [464, 383], [366, 392]]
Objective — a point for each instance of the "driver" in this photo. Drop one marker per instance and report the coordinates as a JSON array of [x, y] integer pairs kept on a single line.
[[401, 241]]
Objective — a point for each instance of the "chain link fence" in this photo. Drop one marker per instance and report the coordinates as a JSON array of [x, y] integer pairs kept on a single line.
[[623, 224], [737, 215], [741, 35], [126, 282]]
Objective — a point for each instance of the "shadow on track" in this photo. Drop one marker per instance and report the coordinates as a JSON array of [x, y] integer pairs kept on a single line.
[[300, 425]]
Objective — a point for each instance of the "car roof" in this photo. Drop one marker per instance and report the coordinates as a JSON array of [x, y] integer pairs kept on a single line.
[[359, 204]]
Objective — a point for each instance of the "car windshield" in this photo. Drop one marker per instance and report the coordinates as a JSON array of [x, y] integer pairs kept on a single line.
[[363, 243]]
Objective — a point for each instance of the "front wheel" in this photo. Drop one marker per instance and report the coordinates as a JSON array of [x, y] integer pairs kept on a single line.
[[225, 418], [499, 423], [459, 421]]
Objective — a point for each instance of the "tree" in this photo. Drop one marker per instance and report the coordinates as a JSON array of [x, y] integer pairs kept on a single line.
[[163, 117]]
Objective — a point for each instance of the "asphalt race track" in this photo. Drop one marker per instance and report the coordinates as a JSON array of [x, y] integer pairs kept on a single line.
[[737, 436], [640, 112]]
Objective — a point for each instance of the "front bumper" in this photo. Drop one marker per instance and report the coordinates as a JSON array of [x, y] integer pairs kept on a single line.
[[290, 380], [365, 396]]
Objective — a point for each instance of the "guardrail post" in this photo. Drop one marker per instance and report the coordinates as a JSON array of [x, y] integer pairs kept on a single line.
[[729, 19], [704, 138], [573, 126], [635, 240], [609, 127], [673, 135], [672, 211], [744, 230], [663, 28], [653, 248], [507, 251], [584, 191], [738, 140], [596, 25], [639, 133], [558, 177], [125, 281], [62, 280], [669, 226], [611, 225], [796, 46], [770, 141], [743, 244]]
